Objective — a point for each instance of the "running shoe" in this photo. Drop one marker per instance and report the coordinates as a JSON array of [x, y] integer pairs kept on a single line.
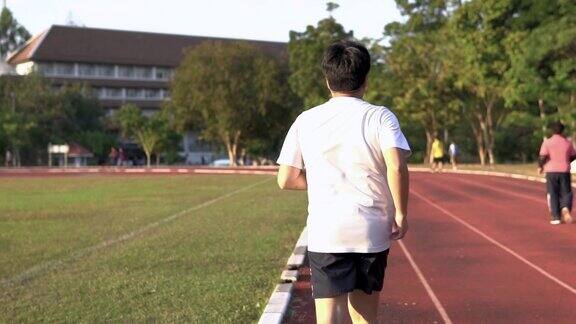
[[566, 217], [555, 222]]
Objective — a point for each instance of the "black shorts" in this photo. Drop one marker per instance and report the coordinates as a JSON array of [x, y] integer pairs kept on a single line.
[[438, 160], [334, 274]]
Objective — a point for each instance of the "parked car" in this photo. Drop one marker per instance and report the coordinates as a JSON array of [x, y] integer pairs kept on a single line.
[[221, 163]]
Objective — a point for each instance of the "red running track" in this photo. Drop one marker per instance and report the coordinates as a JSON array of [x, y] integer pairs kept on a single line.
[[482, 251]]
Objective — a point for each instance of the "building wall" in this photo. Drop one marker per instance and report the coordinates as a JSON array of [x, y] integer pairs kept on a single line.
[[117, 84]]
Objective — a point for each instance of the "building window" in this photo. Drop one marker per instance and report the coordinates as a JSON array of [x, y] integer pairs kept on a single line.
[[163, 73], [46, 68], [133, 93], [113, 92], [98, 92], [166, 94], [152, 93], [63, 68], [86, 69], [126, 71], [105, 70], [135, 72], [143, 72]]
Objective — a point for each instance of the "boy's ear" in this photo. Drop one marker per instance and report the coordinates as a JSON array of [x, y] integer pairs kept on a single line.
[[328, 85]]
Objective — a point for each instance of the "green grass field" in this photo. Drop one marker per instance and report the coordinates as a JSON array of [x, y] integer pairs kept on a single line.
[[216, 263]]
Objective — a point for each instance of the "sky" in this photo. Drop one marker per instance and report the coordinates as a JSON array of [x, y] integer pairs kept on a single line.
[[269, 20]]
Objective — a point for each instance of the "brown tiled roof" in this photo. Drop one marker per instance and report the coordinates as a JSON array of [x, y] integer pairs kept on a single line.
[[77, 150], [81, 44], [24, 53]]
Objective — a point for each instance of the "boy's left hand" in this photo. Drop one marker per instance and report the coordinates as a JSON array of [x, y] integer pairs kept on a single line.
[[399, 230]]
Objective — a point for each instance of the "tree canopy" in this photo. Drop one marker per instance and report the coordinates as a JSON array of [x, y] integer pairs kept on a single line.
[[226, 89], [305, 50], [12, 34], [33, 114], [151, 133]]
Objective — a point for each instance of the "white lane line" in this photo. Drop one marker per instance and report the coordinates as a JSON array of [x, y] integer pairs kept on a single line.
[[498, 244], [424, 282], [51, 264], [502, 190]]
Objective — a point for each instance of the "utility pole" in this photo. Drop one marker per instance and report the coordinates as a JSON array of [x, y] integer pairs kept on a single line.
[[15, 148], [13, 96]]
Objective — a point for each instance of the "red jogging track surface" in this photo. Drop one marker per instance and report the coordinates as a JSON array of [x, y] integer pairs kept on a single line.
[[480, 249]]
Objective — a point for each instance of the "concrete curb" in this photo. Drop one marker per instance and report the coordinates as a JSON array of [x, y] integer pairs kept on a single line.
[[267, 170], [280, 299]]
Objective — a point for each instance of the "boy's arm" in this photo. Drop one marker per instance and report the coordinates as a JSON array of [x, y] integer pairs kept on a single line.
[[572, 153], [292, 178], [398, 182], [543, 157]]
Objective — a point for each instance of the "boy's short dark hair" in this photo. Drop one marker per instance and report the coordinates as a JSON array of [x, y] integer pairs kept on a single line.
[[345, 65], [557, 127]]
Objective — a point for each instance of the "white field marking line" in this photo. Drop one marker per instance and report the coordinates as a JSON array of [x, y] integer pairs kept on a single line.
[[48, 265], [424, 282], [498, 244], [501, 190]]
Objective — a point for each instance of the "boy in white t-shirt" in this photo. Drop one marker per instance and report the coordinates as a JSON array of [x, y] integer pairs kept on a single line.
[[351, 157]]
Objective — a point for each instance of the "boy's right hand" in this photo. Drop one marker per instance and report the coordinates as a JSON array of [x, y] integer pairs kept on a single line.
[[399, 228]]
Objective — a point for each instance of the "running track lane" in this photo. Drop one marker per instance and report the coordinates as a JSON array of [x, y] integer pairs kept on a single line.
[[485, 249]]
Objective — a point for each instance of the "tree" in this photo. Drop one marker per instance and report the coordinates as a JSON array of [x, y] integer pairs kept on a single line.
[[147, 131], [23, 104], [480, 61], [73, 110], [33, 114], [224, 89], [331, 7], [12, 34], [543, 67], [305, 52], [77, 116], [416, 61]]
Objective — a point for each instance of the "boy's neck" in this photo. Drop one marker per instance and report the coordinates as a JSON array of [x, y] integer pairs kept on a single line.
[[358, 94]]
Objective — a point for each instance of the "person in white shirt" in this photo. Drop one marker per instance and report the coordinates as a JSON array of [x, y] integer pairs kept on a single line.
[[454, 151], [351, 157]]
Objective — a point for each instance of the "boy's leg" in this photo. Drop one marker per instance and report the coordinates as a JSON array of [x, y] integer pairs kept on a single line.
[[553, 188], [330, 310], [566, 197], [333, 275], [363, 308]]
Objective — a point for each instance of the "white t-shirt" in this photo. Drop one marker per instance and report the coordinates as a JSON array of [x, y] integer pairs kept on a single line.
[[340, 144]]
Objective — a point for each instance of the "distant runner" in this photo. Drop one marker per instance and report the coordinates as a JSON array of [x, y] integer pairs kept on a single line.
[[8, 159], [556, 153], [357, 181], [437, 154], [454, 151]]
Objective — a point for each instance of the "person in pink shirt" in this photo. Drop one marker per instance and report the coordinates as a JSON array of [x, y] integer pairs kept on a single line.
[[556, 153]]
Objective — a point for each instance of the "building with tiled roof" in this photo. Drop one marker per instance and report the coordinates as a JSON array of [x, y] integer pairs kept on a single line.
[[120, 66]]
